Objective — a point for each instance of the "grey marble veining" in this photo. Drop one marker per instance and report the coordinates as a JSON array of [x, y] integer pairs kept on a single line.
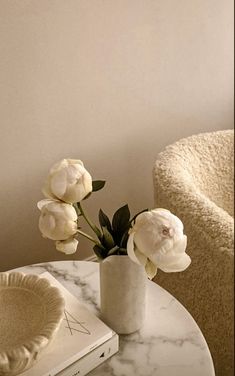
[[169, 344]]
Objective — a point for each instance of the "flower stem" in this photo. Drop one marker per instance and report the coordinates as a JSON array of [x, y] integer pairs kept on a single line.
[[90, 238], [92, 225]]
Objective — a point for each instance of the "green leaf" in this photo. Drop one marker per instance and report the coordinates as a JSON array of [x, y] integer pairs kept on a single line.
[[122, 251], [121, 219], [100, 252], [104, 221], [123, 242], [113, 251], [97, 185], [120, 223], [107, 240]]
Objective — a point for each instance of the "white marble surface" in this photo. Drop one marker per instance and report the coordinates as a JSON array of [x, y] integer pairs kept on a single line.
[[170, 342]]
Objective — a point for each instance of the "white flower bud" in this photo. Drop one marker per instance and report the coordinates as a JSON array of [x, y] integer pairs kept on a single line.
[[68, 181], [58, 220]]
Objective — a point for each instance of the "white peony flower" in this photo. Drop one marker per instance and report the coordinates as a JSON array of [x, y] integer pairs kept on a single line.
[[68, 181], [58, 220], [67, 246], [156, 240]]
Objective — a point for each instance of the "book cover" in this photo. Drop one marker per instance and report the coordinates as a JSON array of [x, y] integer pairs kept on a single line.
[[93, 359], [80, 333]]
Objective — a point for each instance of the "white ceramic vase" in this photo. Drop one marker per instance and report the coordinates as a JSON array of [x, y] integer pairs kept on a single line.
[[122, 294]]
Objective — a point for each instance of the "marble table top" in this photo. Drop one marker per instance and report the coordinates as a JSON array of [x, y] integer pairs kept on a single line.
[[169, 344]]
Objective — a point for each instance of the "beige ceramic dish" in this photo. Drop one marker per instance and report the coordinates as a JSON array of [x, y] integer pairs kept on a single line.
[[31, 311]]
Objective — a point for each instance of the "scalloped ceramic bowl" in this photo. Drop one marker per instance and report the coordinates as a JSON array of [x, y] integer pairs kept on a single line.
[[31, 311]]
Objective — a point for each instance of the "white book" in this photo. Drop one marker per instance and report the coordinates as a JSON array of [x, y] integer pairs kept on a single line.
[[80, 333], [92, 360]]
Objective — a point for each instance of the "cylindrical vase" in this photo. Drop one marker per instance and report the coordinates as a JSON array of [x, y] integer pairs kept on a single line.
[[122, 294]]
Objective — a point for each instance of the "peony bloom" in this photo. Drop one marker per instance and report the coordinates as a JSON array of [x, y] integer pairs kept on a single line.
[[58, 220], [68, 181], [67, 246], [156, 240]]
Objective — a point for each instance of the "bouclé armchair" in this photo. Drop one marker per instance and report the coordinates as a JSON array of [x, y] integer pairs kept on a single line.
[[194, 179]]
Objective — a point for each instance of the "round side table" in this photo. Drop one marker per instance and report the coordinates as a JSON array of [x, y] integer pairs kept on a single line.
[[170, 342]]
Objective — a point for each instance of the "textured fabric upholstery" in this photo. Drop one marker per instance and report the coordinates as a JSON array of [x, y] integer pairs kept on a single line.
[[194, 179]]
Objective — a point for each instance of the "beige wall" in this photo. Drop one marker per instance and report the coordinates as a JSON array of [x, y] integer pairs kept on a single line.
[[110, 82]]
